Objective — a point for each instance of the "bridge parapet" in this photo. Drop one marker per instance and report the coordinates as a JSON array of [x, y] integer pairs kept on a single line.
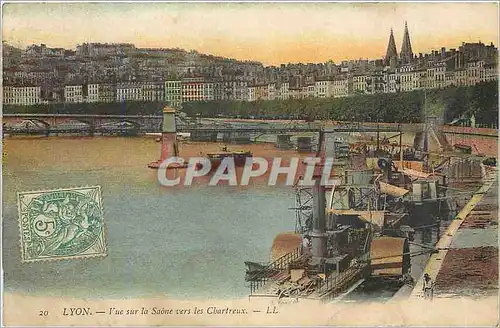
[[483, 141], [154, 124], [469, 130], [143, 123]]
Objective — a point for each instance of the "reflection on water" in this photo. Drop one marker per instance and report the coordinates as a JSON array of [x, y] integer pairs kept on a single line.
[[183, 243]]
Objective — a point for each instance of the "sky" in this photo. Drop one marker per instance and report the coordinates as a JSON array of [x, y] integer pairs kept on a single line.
[[272, 33]]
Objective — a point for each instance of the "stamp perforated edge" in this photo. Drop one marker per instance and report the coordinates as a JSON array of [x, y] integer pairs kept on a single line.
[[73, 257]]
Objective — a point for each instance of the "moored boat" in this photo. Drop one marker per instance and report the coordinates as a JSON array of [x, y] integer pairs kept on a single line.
[[257, 271], [239, 157]]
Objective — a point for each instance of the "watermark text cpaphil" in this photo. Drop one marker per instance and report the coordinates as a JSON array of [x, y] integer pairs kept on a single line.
[[224, 170]]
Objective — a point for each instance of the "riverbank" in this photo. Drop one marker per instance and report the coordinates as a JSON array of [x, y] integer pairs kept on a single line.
[[466, 263]]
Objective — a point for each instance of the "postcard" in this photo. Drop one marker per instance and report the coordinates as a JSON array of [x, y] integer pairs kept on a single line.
[[249, 164]]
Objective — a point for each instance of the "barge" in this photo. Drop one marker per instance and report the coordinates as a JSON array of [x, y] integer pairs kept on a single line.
[[364, 230], [239, 157]]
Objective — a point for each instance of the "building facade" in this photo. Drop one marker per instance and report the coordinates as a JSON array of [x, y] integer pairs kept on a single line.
[[173, 93], [341, 87], [231, 90], [197, 89], [153, 91], [129, 91], [23, 95], [93, 92], [323, 88], [73, 94], [283, 92]]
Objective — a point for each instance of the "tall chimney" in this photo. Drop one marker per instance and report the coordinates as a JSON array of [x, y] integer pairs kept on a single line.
[[318, 235], [168, 135]]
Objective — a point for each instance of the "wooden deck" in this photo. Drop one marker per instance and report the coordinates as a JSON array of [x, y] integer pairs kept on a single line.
[[284, 285]]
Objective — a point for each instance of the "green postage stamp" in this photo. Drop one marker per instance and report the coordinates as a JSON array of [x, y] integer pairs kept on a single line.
[[61, 224]]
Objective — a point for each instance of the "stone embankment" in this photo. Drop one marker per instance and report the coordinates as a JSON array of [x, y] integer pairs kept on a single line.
[[466, 263]]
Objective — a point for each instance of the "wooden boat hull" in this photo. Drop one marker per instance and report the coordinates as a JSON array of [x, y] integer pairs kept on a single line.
[[256, 271], [239, 161]]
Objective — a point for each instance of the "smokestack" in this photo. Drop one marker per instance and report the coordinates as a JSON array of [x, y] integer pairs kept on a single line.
[[318, 235]]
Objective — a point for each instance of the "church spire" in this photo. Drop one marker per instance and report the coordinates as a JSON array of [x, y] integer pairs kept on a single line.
[[406, 51], [391, 54]]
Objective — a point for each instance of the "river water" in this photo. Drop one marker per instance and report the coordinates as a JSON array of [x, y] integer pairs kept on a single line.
[[183, 243]]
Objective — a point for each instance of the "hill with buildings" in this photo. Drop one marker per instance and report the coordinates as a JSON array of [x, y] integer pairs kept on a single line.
[[121, 73], [479, 101]]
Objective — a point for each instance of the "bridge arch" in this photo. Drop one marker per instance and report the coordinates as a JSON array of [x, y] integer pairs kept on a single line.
[[29, 121]]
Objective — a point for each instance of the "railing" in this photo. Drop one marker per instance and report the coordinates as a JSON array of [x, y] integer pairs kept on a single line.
[[30, 115], [468, 124], [64, 130], [334, 284], [282, 262], [256, 284], [259, 279], [192, 129]]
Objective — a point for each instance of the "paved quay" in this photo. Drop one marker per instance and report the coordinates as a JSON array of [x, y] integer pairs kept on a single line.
[[467, 259]]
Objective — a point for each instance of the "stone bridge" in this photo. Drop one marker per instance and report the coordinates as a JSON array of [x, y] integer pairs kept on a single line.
[[483, 141], [142, 122]]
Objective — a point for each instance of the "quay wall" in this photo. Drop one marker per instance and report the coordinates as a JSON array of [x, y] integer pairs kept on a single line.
[[466, 263], [482, 140]]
